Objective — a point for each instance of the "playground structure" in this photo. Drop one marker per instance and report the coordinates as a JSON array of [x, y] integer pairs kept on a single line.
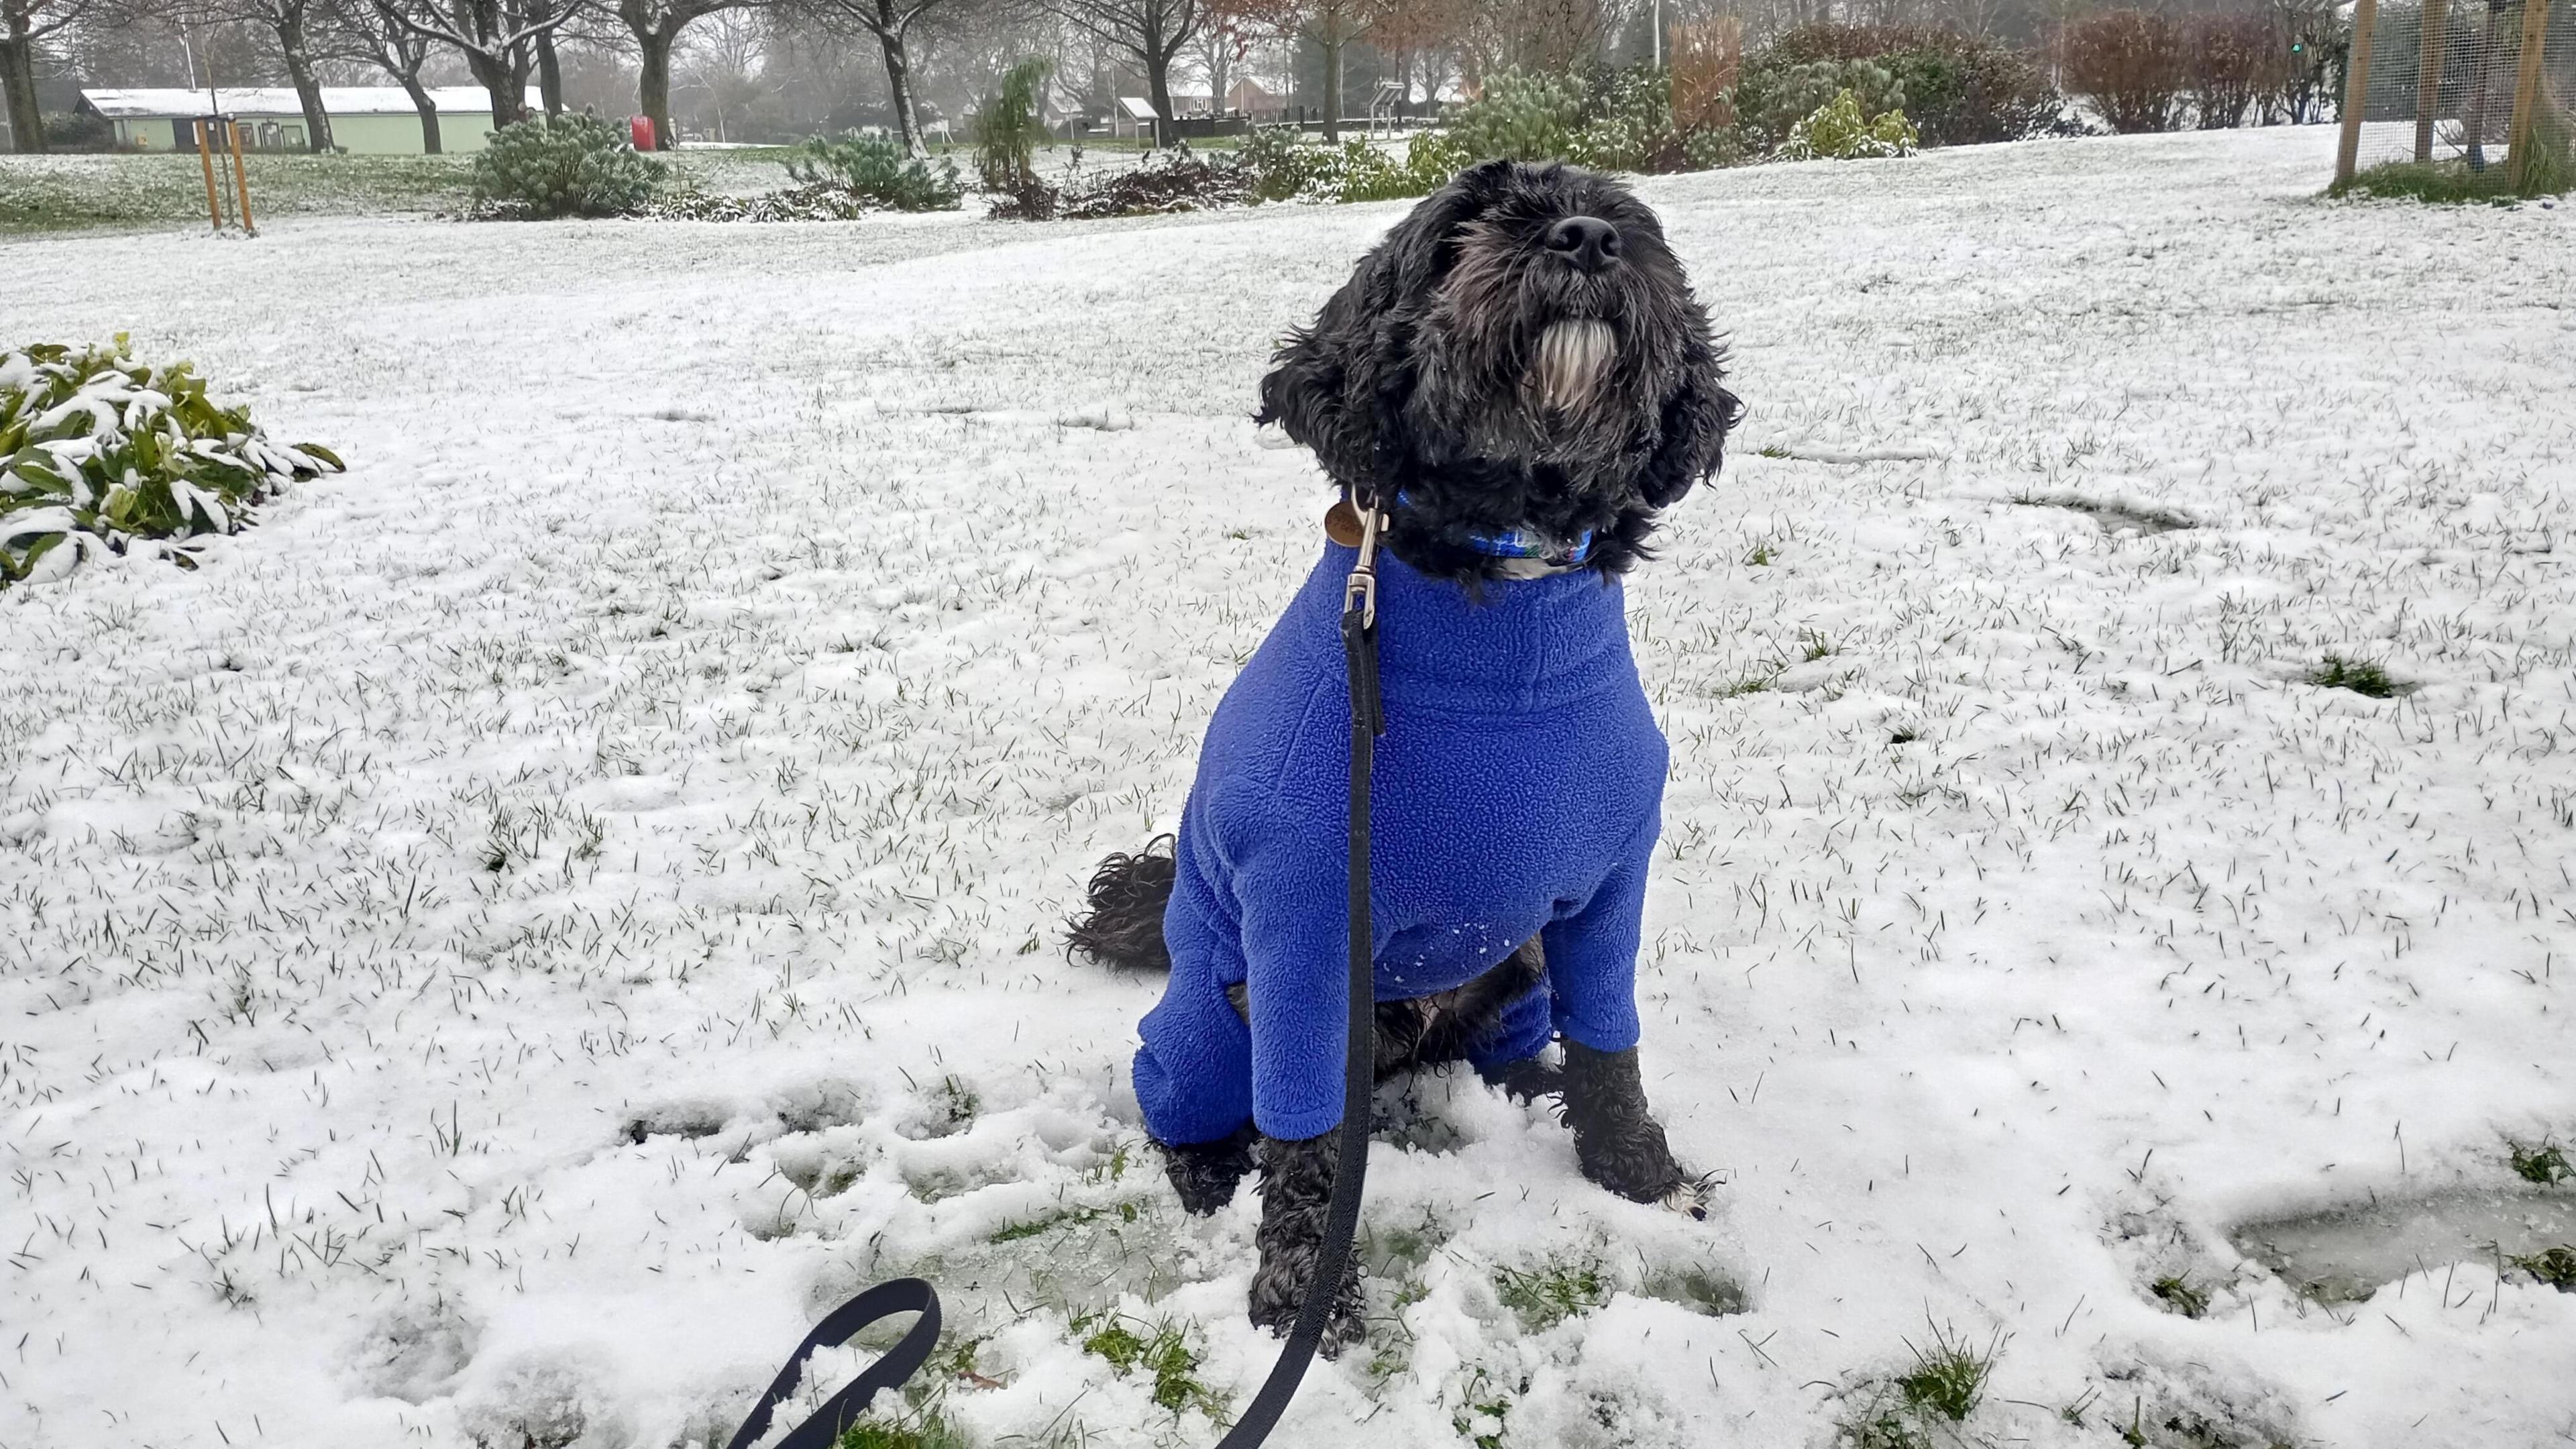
[[2469, 79]]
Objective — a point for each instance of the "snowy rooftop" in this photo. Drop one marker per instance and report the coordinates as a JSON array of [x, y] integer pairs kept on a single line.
[[150, 102]]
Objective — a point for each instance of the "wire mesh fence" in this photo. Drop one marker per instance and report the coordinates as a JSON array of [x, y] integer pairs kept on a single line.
[[2459, 83]]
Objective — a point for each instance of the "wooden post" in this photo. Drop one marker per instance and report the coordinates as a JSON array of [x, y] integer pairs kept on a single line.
[[2356, 87], [206, 158], [241, 183], [2523, 138], [2428, 77]]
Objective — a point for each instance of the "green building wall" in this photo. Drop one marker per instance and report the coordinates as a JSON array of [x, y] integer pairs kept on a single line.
[[372, 134]]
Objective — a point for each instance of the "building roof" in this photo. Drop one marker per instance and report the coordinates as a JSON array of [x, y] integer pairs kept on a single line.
[[129, 105]]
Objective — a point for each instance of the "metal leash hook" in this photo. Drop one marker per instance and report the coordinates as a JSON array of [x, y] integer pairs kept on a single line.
[[1359, 595]]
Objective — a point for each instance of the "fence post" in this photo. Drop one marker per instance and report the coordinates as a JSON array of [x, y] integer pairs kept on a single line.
[[2521, 139], [2356, 87]]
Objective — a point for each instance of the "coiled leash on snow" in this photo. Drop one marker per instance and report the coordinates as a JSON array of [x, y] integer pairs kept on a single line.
[[1341, 1224]]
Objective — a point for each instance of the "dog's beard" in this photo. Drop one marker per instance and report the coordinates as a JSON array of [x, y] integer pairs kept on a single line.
[[1572, 361]]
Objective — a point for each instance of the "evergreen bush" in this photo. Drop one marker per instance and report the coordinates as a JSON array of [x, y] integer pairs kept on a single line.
[[98, 451], [1836, 132], [877, 169], [1960, 90], [1009, 129], [567, 165]]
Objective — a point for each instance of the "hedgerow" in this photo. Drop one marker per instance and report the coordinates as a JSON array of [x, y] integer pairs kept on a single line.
[[100, 452]]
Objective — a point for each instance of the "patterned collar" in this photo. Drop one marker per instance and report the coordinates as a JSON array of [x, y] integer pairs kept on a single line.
[[1525, 543]]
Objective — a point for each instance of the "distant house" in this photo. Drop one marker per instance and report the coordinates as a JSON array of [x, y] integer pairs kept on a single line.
[[367, 120]]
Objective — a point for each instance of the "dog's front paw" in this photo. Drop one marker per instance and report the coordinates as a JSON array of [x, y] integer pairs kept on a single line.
[[1296, 1199], [1692, 1196], [1206, 1174], [1279, 1292]]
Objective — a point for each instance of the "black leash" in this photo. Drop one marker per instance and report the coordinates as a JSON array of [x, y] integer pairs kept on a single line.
[[1359, 1084]]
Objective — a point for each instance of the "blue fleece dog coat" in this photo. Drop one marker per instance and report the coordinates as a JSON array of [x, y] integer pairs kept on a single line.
[[1518, 793]]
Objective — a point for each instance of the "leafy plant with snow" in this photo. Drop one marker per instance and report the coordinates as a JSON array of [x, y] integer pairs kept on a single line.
[[878, 170], [568, 165], [1836, 132], [98, 450]]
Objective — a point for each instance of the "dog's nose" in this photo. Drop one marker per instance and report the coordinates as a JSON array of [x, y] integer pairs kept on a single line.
[[1587, 241]]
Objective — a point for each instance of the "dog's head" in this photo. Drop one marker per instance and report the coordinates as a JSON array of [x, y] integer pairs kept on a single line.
[[1521, 356]]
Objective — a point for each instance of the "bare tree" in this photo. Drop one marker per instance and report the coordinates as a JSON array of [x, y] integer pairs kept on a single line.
[[891, 22], [1154, 32], [725, 62], [302, 32], [364, 31], [496, 37], [26, 25], [656, 26]]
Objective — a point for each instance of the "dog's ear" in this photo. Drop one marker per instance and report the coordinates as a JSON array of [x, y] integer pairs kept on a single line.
[[1424, 246], [1340, 384], [1696, 419]]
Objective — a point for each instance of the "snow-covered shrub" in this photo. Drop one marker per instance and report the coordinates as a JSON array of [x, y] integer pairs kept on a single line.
[[1169, 182], [877, 169], [794, 203], [1523, 116], [1281, 167], [2133, 64], [1773, 97], [1959, 89], [1836, 132], [568, 165], [98, 451]]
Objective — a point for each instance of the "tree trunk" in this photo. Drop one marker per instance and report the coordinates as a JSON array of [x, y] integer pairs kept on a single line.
[[899, 80], [18, 78], [1332, 89], [653, 84], [299, 70], [1158, 86], [428, 108], [549, 68], [504, 83], [2474, 124]]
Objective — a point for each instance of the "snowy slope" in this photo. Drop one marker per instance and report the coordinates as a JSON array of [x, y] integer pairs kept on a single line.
[[525, 928]]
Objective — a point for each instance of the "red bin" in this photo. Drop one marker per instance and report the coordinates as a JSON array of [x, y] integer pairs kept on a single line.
[[640, 129]]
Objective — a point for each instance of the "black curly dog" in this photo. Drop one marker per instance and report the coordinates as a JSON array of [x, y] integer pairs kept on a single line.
[[1522, 352]]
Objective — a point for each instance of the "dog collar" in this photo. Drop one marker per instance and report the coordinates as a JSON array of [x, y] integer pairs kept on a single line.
[[1525, 543]]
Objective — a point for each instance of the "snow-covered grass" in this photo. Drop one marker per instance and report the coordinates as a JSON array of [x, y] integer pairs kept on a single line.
[[504, 944]]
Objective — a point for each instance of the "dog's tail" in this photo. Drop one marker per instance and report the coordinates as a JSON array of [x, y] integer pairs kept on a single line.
[[1124, 925]]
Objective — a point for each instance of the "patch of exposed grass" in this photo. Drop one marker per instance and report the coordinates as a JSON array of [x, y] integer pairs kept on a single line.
[[71, 193], [2546, 1164], [2553, 1266], [1760, 555], [1162, 1350], [927, 1429], [1485, 1410], [1552, 1292], [2361, 676], [1949, 1378], [2178, 1295], [1125, 1212], [2445, 183]]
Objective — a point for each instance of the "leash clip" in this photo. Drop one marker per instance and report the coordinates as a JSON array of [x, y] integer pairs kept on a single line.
[[1359, 593]]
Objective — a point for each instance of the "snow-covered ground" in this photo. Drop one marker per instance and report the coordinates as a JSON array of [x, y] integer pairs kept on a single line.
[[498, 950]]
